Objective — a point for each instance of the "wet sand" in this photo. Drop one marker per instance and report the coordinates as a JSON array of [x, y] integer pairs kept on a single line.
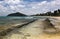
[[10, 26]]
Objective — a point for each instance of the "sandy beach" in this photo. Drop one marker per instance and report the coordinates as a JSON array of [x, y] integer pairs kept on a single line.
[[35, 30]]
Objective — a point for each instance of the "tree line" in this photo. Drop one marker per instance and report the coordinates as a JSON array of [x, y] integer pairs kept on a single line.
[[55, 13]]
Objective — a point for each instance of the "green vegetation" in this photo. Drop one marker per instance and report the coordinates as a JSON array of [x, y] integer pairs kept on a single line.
[[55, 13]]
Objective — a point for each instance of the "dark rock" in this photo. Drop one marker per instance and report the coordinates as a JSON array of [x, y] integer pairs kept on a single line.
[[48, 24], [47, 20], [49, 27]]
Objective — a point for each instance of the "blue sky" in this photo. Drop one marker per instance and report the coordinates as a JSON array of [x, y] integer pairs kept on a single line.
[[28, 7], [36, 0]]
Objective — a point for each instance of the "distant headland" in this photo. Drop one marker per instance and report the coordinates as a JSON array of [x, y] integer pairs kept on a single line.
[[16, 14]]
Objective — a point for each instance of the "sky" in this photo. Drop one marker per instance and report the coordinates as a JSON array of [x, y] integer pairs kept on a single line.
[[28, 7]]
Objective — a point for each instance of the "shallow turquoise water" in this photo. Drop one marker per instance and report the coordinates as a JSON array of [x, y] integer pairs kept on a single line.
[[4, 20]]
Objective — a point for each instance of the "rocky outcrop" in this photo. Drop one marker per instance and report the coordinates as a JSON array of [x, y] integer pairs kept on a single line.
[[49, 24], [49, 27]]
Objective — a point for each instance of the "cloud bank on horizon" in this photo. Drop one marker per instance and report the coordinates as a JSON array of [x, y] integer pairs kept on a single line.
[[28, 7]]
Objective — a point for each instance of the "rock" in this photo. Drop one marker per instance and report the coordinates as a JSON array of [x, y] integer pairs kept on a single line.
[[49, 27], [48, 24]]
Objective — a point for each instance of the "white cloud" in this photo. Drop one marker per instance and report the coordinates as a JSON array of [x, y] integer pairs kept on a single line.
[[21, 6], [12, 1], [28, 8], [44, 6]]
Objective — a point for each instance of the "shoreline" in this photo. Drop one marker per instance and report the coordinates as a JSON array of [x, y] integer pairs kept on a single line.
[[34, 31]]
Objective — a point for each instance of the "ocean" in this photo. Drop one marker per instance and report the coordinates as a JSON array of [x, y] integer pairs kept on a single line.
[[5, 21]]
